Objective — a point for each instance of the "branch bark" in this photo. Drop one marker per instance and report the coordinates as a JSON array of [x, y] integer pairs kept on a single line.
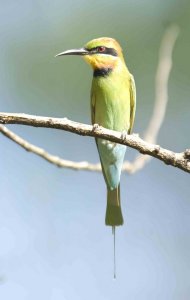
[[179, 160]]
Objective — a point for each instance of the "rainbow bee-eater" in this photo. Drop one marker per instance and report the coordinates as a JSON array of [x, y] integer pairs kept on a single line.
[[113, 103]]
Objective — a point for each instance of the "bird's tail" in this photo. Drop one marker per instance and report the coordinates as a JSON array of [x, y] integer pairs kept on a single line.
[[113, 211]]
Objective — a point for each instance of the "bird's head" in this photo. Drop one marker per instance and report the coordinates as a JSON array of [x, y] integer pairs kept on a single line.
[[99, 53]]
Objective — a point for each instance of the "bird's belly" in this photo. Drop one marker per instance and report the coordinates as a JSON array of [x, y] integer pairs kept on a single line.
[[112, 156]]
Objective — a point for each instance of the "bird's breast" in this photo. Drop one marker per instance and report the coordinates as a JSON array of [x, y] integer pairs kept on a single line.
[[112, 103]]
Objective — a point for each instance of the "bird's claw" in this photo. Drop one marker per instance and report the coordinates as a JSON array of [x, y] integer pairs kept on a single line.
[[124, 135], [95, 126]]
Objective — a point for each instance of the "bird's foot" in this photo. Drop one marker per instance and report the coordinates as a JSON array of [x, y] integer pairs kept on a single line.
[[95, 127], [124, 134]]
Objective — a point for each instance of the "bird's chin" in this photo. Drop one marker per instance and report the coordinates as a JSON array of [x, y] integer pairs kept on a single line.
[[90, 60], [94, 62]]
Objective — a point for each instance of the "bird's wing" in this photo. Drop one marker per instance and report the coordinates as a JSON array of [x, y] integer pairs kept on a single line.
[[93, 103], [132, 102]]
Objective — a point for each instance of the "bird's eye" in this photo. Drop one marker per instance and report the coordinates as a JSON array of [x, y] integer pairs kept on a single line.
[[101, 49]]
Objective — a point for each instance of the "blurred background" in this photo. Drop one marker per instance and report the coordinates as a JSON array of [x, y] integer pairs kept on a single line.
[[53, 241]]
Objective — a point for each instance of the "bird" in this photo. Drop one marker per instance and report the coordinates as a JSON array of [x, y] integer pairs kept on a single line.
[[113, 106]]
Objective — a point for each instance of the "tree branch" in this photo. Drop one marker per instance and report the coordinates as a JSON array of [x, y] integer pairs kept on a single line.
[[179, 160]]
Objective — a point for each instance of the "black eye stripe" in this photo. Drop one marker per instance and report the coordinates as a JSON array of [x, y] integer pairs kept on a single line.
[[109, 51]]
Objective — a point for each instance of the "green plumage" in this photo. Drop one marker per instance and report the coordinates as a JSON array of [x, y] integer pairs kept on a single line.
[[113, 210], [113, 107], [113, 102]]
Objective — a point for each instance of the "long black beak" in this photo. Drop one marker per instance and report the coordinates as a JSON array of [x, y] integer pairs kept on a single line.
[[80, 51]]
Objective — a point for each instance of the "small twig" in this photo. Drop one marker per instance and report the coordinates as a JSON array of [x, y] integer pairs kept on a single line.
[[134, 141], [161, 93], [47, 156]]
